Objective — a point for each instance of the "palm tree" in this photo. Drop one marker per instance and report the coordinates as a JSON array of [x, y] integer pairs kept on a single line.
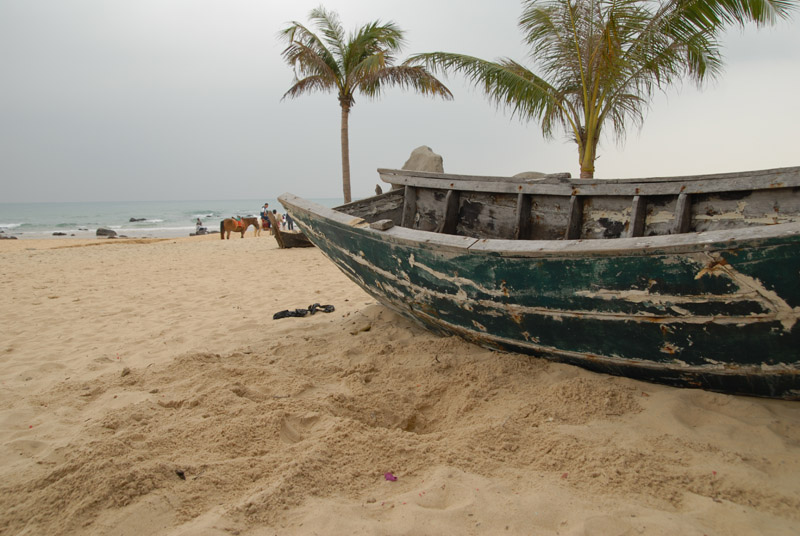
[[363, 61], [601, 60]]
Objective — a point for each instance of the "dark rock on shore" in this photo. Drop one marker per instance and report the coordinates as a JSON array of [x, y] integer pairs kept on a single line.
[[104, 231], [137, 219], [4, 237], [57, 233]]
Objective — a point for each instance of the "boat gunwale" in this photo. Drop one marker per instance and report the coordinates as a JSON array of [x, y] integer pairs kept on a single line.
[[707, 241], [556, 185]]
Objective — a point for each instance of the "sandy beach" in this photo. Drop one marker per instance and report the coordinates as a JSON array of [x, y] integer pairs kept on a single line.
[[146, 389]]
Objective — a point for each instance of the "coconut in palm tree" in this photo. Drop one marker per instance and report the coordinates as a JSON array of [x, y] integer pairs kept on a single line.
[[360, 62]]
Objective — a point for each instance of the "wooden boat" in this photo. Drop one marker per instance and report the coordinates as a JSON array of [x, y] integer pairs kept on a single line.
[[689, 281], [288, 239]]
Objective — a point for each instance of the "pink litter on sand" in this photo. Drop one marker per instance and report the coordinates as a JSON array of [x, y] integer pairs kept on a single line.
[[390, 477]]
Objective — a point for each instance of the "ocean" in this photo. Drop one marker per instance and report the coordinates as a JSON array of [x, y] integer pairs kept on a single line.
[[158, 219]]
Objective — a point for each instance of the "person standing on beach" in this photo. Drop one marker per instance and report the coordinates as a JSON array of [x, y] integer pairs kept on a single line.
[[289, 222]]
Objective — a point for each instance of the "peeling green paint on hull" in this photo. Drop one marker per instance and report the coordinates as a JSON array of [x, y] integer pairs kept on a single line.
[[715, 312]]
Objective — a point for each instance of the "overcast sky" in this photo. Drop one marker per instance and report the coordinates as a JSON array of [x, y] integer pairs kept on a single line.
[[181, 99]]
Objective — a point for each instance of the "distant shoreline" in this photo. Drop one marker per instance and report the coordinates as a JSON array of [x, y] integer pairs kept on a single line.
[[90, 235], [162, 219]]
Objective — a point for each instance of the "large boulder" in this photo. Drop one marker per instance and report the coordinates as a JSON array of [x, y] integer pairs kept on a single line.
[[104, 231], [424, 159]]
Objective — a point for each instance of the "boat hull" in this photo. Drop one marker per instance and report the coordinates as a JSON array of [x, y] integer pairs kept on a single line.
[[712, 310]]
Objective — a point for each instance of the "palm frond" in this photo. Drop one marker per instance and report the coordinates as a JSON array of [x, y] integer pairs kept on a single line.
[[331, 29], [306, 52], [705, 14], [506, 83], [309, 84], [374, 39], [405, 76], [309, 62]]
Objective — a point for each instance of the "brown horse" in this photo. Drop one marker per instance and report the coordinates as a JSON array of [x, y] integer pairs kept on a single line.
[[239, 225]]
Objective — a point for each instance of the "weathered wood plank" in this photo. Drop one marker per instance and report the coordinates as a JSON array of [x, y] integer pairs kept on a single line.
[[482, 215], [523, 228], [382, 225], [575, 221], [755, 180], [786, 172], [450, 221], [683, 214], [638, 215], [380, 207], [444, 177], [409, 206]]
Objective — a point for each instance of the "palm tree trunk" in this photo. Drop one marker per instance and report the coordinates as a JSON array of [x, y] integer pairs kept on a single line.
[[345, 154], [587, 168], [587, 157]]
